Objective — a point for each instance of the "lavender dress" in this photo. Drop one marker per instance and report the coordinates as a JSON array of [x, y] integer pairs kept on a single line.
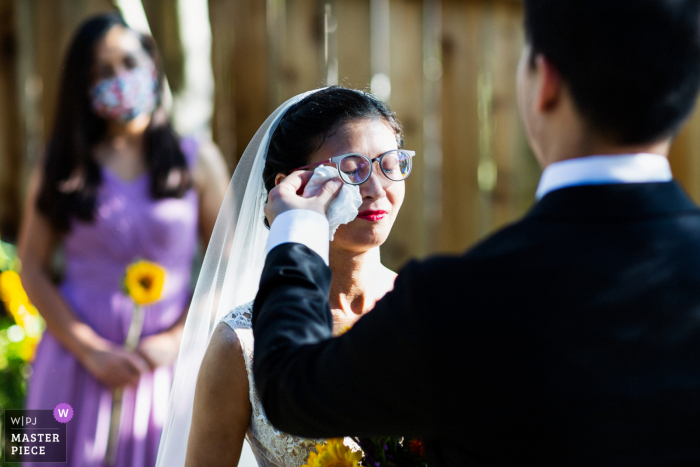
[[128, 225]]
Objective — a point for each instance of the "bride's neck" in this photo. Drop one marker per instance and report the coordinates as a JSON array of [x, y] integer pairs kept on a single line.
[[357, 282]]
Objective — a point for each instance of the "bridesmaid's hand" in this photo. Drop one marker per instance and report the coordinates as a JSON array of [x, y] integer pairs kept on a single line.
[[115, 367], [160, 349]]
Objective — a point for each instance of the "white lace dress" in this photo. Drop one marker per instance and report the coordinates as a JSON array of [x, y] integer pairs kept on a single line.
[[272, 448]]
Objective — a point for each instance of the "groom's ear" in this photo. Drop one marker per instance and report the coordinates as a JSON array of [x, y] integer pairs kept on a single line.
[[550, 86], [279, 178]]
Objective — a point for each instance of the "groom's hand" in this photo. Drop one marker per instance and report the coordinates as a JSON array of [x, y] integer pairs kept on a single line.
[[288, 195]]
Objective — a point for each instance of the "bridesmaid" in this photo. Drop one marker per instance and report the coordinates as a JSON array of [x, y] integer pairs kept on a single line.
[[116, 184]]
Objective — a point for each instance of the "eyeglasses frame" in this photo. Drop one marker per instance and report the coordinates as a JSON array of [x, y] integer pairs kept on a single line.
[[336, 160]]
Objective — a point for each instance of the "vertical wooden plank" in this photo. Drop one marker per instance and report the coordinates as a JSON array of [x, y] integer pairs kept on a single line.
[[250, 72], [163, 21], [407, 238], [380, 43], [487, 171], [222, 57], [432, 123], [29, 87], [50, 41], [685, 156], [276, 34], [460, 54], [11, 141], [328, 46], [353, 36], [239, 54], [303, 42]]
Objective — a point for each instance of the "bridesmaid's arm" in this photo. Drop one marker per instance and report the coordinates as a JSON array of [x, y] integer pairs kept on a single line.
[[211, 179], [107, 362], [221, 412]]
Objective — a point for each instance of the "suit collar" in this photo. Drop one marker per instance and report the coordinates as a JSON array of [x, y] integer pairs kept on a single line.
[[602, 170], [615, 201]]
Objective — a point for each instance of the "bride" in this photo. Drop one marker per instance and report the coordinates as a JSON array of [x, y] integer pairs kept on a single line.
[[208, 426]]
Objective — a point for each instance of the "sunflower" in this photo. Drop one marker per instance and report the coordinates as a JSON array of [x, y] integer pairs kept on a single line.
[[144, 282], [333, 454]]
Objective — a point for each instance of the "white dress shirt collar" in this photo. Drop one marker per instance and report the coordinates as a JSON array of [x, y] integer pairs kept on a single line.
[[603, 170]]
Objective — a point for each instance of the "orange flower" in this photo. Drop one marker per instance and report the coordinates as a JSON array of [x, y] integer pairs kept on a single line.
[[416, 445]]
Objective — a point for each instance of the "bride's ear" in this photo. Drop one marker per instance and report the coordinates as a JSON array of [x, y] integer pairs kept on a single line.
[[279, 178]]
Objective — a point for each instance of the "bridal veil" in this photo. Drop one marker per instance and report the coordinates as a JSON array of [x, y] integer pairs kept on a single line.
[[229, 277]]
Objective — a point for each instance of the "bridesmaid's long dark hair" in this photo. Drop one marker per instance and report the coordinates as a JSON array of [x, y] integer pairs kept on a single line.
[[71, 176]]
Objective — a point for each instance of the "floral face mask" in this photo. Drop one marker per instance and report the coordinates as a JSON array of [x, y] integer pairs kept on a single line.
[[125, 96]]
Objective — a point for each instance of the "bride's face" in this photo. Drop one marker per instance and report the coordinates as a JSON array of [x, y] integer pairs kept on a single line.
[[381, 197]]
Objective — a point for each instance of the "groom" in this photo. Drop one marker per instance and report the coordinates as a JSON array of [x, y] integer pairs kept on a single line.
[[570, 338]]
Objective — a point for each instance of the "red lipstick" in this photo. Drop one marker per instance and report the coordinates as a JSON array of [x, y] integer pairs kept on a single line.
[[372, 216]]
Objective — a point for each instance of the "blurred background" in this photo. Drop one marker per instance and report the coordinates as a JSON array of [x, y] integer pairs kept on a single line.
[[447, 67]]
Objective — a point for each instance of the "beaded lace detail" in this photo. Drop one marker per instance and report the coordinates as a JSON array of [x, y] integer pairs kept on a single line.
[[272, 448]]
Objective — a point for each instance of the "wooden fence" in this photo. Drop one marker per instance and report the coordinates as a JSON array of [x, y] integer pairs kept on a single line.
[[450, 65]]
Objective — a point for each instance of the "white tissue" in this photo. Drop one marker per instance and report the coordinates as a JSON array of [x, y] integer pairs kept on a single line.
[[343, 208]]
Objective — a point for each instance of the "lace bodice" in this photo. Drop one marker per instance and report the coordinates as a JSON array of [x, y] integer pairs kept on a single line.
[[272, 448]]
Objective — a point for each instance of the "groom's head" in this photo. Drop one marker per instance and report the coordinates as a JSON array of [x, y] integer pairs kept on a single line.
[[626, 72]]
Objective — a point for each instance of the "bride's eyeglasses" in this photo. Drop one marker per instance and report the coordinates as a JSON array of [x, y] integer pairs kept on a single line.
[[356, 168]]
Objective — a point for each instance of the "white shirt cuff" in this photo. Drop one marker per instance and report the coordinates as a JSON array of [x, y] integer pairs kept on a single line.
[[301, 226]]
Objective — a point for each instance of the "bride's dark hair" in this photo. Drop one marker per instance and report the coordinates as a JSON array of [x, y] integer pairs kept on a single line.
[[308, 123]]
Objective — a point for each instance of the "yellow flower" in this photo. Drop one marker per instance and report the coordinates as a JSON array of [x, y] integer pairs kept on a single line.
[[27, 348], [333, 454], [11, 287], [144, 282], [26, 334]]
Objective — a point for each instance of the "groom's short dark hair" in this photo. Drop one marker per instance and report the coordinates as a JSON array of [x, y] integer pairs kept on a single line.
[[632, 66]]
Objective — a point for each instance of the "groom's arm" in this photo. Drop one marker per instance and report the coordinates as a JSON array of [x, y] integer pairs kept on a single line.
[[373, 380]]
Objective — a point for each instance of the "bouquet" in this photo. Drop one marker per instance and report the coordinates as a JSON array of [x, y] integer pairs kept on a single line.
[[143, 282], [392, 452], [370, 452], [373, 452]]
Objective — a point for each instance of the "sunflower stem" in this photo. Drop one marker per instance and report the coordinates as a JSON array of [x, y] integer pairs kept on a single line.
[[132, 341], [134, 334]]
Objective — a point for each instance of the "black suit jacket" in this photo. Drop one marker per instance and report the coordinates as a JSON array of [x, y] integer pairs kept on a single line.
[[570, 338]]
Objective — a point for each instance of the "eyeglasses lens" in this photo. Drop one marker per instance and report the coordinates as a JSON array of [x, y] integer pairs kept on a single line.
[[355, 169], [396, 165]]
